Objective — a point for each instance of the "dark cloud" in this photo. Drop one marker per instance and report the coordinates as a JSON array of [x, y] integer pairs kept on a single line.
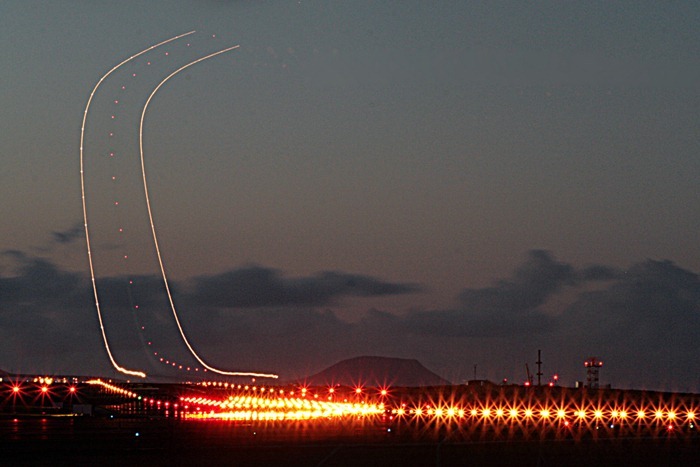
[[646, 324], [69, 235], [598, 273], [38, 281], [256, 286], [643, 321], [531, 285], [507, 308]]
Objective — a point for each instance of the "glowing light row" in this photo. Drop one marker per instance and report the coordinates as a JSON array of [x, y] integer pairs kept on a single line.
[[519, 414], [44, 388], [276, 408], [112, 388]]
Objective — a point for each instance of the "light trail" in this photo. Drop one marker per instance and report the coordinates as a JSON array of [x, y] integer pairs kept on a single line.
[[153, 228], [271, 407], [85, 219]]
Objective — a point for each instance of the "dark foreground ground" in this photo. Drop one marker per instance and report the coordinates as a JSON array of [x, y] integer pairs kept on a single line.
[[154, 442]]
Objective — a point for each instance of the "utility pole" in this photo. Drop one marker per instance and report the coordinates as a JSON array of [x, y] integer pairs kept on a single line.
[[539, 367]]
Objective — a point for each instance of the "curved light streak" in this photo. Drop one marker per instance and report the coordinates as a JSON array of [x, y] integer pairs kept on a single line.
[[153, 228], [85, 220]]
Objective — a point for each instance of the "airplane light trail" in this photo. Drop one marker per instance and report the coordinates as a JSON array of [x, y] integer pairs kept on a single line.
[[153, 228], [150, 214], [85, 220]]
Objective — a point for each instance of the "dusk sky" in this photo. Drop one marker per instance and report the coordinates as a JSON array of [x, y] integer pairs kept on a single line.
[[457, 182]]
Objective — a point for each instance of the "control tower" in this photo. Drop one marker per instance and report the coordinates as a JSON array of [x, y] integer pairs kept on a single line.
[[593, 372]]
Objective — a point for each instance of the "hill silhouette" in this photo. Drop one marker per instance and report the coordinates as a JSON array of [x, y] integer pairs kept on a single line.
[[376, 371]]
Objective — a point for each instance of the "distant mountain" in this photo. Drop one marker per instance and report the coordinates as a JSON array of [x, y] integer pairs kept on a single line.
[[376, 371]]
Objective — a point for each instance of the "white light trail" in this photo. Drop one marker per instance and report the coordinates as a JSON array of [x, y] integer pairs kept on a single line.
[[153, 228], [85, 220]]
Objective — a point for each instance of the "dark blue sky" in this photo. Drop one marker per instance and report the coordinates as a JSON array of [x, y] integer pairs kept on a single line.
[[461, 183]]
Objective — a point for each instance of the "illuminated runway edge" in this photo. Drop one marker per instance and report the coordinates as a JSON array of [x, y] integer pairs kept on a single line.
[[463, 412]]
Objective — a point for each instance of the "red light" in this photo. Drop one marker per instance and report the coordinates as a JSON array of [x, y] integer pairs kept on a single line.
[[44, 389], [15, 389], [72, 389], [358, 390]]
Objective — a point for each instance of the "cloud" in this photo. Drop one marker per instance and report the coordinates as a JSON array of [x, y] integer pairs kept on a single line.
[[38, 281], [531, 285], [509, 307], [642, 322], [69, 235], [651, 299], [256, 286]]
